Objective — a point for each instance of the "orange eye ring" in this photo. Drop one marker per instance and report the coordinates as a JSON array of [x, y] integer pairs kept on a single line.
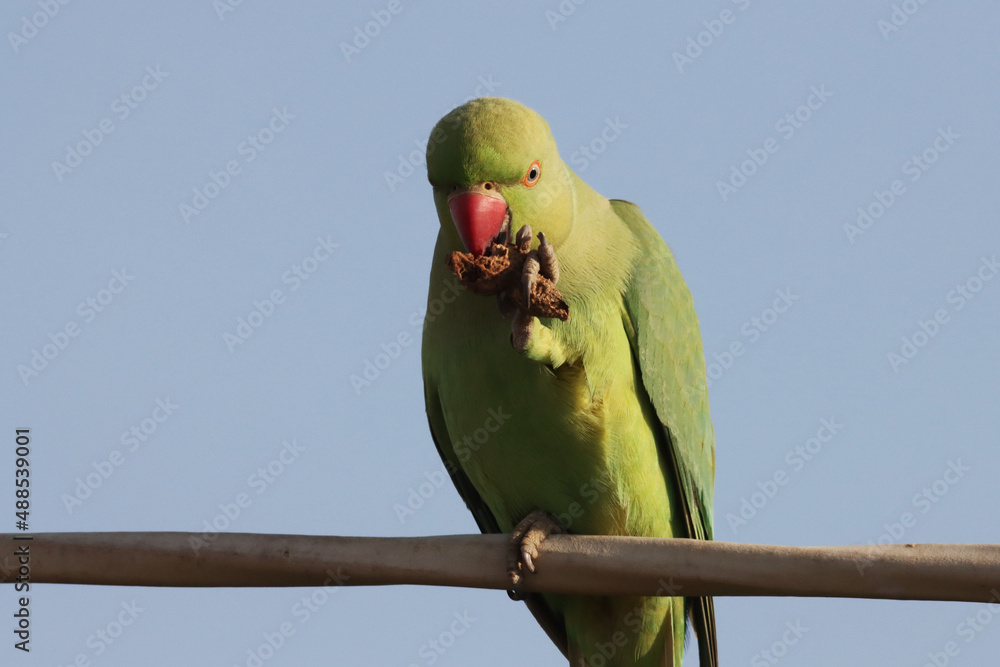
[[534, 173]]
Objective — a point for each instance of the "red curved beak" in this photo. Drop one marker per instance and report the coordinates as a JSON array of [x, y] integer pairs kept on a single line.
[[478, 218]]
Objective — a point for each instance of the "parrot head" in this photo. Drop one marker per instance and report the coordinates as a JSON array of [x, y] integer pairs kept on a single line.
[[494, 167]]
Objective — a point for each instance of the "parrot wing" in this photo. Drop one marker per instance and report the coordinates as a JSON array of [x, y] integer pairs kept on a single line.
[[546, 617], [666, 344]]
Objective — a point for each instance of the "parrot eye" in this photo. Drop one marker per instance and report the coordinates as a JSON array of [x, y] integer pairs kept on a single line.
[[534, 173]]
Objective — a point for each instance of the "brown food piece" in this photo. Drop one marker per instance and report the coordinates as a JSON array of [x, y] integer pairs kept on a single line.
[[498, 271]]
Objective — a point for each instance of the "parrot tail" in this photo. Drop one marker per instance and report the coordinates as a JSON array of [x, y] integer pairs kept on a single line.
[[703, 620]]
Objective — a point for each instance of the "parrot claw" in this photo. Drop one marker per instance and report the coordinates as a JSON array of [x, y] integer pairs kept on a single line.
[[502, 237], [523, 238], [522, 550], [520, 330], [547, 259], [530, 276], [537, 263]]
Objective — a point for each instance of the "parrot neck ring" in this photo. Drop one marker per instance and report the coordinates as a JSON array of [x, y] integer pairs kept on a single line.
[[480, 214]]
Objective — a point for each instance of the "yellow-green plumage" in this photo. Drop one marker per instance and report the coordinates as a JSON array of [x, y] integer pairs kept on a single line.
[[603, 420]]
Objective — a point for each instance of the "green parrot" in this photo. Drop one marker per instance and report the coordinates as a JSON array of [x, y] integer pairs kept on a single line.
[[598, 425]]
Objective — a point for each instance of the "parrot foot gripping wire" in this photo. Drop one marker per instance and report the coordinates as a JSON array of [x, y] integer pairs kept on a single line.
[[522, 550]]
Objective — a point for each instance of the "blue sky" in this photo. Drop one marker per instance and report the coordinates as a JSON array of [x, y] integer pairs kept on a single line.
[[213, 216]]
